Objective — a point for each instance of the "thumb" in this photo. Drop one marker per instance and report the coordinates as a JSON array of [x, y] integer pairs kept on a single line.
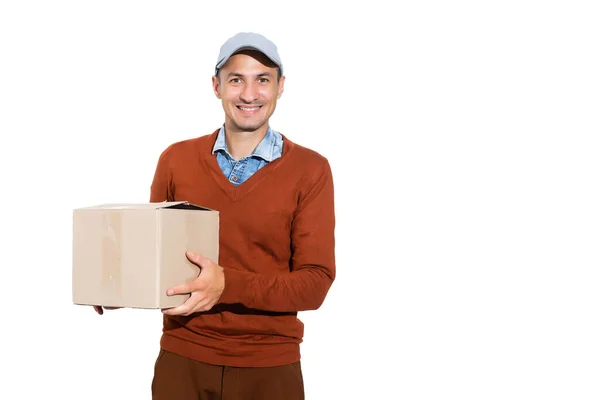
[[197, 259]]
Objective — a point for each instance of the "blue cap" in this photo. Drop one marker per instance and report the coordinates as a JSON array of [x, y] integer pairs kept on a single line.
[[251, 41]]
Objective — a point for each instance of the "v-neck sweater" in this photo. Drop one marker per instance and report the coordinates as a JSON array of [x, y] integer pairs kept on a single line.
[[276, 246]]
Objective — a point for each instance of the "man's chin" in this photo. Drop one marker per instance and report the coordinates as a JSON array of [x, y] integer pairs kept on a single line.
[[250, 127]]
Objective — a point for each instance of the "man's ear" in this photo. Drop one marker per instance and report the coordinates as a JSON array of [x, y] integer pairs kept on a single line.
[[280, 90], [216, 86]]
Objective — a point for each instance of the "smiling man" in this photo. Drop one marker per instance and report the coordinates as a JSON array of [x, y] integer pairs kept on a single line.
[[238, 335]]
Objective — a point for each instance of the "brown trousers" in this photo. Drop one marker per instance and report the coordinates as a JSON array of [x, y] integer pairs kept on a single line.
[[180, 378]]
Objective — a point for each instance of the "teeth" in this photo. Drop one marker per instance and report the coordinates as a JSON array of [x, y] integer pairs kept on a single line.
[[248, 109]]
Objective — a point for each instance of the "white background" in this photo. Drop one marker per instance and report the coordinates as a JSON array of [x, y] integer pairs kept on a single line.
[[463, 138]]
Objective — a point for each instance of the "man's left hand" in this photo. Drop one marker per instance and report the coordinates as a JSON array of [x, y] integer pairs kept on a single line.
[[205, 291]]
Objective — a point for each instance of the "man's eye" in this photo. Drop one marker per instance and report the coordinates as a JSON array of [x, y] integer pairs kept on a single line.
[[235, 80], [263, 80]]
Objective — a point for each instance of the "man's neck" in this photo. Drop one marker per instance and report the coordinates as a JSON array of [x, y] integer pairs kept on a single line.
[[241, 144]]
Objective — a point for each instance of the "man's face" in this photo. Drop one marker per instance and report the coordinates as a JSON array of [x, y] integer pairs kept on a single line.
[[248, 88]]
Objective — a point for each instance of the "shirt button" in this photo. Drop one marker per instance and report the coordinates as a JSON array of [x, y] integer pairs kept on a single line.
[[235, 178]]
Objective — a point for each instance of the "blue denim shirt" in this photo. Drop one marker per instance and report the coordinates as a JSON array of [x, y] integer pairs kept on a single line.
[[269, 149]]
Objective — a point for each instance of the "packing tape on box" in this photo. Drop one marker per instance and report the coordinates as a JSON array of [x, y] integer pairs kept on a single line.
[[111, 252]]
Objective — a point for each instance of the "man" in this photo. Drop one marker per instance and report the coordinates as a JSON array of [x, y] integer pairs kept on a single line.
[[238, 335]]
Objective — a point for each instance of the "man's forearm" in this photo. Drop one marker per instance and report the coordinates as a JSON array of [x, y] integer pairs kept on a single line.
[[300, 290]]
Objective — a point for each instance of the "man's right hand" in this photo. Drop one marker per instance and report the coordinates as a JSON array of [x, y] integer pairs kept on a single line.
[[100, 309]]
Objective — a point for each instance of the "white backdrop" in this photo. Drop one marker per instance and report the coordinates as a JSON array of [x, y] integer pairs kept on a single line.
[[463, 138]]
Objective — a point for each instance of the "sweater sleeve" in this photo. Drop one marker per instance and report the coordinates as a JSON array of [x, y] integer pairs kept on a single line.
[[161, 188], [312, 262]]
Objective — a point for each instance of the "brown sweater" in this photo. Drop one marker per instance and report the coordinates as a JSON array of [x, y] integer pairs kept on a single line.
[[276, 248]]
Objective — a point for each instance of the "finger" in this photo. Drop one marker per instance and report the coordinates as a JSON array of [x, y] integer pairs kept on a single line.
[[179, 310], [171, 311], [179, 289], [185, 308]]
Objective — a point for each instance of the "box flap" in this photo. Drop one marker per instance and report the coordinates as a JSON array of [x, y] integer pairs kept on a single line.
[[186, 206]]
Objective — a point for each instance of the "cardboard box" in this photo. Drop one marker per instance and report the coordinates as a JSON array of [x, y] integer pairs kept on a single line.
[[128, 255]]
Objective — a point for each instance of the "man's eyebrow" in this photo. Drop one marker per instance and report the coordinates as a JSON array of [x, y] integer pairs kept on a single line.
[[237, 74]]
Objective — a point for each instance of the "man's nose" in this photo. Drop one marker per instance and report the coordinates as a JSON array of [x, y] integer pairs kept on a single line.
[[249, 94]]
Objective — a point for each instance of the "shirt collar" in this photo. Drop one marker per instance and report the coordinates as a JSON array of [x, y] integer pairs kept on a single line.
[[220, 143], [264, 150]]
